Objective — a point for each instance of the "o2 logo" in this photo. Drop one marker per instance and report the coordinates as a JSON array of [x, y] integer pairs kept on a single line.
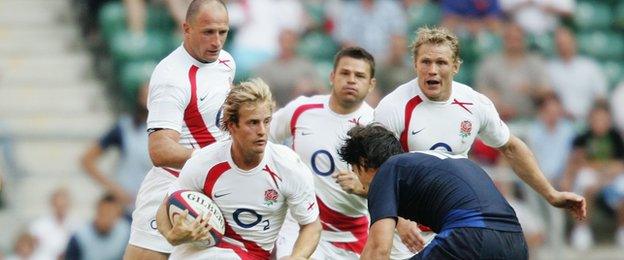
[[320, 155], [252, 213], [441, 146]]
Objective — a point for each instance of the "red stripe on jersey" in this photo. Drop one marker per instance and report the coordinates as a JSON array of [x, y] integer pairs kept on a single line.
[[254, 251], [409, 108], [193, 118], [332, 220], [462, 104], [237, 250], [273, 175], [213, 174], [173, 172], [295, 117]]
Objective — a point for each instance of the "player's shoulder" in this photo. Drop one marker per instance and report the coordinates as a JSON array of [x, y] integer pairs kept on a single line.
[[466, 92], [284, 158], [301, 101], [402, 94], [226, 55], [309, 100], [168, 69], [210, 154]]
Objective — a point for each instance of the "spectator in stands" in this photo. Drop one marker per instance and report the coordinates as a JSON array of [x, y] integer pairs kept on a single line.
[[578, 80], [52, 230], [129, 135], [538, 17], [396, 69], [105, 238], [597, 158], [289, 75], [514, 78], [136, 13], [257, 24], [370, 24], [550, 138], [24, 247], [471, 16]]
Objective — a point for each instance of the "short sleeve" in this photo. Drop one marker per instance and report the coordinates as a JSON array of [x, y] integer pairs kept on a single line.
[[166, 104], [383, 194], [112, 138], [280, 124], [493, 131], [387, 114], [301, 198]]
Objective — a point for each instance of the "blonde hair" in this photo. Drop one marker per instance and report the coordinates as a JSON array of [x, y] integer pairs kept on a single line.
[[436, 36], [252, 92]]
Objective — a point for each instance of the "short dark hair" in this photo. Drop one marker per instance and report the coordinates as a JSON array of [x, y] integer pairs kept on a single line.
[[369, 146], [196, 5], [358, 53]]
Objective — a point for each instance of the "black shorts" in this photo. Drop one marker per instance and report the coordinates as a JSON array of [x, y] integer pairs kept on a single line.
[[475, 243]]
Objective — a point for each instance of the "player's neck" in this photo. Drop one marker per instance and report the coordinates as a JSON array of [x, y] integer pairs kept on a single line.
[[342, 108], [245, 161]]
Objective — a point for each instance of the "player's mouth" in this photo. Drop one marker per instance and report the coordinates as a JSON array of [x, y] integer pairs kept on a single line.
[[350, 90], [260, 142], [433, 83]]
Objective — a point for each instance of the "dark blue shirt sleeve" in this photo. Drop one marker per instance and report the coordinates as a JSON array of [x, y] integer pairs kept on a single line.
[[113, 137], [383, 194], [73, 250]]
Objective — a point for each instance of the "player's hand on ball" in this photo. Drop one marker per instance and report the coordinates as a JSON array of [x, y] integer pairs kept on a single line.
[[183, 232], [349, 182], [410, 235], [572, 202]]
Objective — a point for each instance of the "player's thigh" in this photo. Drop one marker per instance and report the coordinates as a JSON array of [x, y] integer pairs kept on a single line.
[[138, 253]]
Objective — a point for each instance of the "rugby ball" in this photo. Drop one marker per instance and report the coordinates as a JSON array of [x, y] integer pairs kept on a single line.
[[197, 205]]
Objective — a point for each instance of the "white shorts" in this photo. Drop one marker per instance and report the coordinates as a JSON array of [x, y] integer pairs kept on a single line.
[[326, 250], [143, 232]]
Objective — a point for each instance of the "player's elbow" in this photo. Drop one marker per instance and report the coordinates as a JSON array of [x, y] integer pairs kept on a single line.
[[376, 251], [158, 158]]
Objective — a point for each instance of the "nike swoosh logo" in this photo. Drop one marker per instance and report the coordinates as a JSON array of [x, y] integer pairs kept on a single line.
[[202, 98], [221, 195], [304, 133], [416, 132]]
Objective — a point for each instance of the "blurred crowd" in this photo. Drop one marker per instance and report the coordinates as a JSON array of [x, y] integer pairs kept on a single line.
[[553, 68]]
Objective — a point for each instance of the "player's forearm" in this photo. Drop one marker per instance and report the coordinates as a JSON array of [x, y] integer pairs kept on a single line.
[[379, 241], [307, 240], [167, 152], [523, 163]]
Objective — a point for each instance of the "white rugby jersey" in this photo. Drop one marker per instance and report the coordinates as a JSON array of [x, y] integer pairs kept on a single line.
[[253, 202], [317, 133], [449, 126], [186, 95]]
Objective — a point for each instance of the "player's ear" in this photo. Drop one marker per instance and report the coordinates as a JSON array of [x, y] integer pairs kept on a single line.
[[186, 27], [373, 84]]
